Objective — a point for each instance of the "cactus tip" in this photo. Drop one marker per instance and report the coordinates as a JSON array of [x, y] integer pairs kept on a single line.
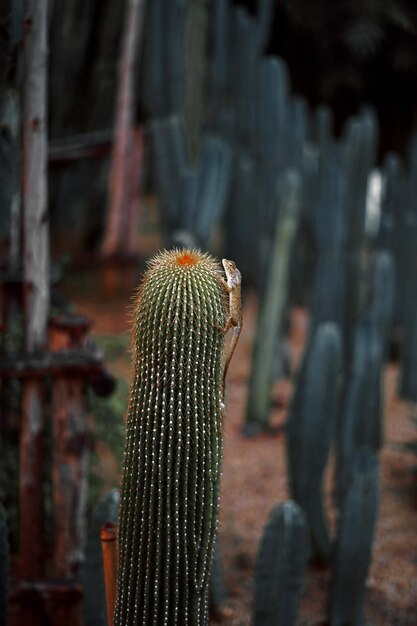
[[186, 258]]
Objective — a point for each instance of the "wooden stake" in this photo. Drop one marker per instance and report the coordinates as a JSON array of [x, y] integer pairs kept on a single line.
[[108, 536], [117, 230], [36, 280], [70, 457]]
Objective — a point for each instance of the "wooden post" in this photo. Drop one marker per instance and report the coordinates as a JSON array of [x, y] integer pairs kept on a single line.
[[36, 280], [118, 223], [108, 536], [70, 450]]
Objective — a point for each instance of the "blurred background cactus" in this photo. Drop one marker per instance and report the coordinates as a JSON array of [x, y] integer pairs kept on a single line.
[[280, 566], [312, 428]]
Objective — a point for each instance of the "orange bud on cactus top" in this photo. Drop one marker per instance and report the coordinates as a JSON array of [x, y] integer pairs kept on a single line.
[[186, 259]]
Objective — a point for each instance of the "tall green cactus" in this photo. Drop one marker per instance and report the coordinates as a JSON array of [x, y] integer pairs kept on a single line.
[[312, 428], [173, 451], [280, 566], [272, 305], [355, 535]]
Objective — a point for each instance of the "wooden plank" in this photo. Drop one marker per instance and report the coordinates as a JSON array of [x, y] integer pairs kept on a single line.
[[36, 366]]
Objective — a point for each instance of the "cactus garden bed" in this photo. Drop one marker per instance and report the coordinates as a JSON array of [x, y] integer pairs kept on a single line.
[[255, 479]]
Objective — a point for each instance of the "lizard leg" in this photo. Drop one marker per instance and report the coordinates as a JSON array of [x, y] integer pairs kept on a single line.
[[228, 325], [233, 344]]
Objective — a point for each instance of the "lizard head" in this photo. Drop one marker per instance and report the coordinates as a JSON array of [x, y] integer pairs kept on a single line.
[[232, 273]]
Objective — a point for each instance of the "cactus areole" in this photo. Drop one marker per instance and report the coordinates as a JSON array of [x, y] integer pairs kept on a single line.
[[173, 450]]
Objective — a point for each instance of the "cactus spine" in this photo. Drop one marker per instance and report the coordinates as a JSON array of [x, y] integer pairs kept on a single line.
[[173, 451]]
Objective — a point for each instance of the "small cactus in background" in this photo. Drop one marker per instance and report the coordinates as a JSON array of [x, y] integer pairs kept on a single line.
[[4, 567], [273, 303], [173, 451], [194, 195], [361, 420], [280, 566], [354, 541], [312, 429], [217, 588]]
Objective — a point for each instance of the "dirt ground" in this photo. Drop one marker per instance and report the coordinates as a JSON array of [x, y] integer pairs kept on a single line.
[[255, 479]]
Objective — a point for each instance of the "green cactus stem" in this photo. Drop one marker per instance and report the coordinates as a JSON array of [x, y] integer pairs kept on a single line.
[[280, 566], [173, 450], [312, 430], [355, 537], [273, 303]]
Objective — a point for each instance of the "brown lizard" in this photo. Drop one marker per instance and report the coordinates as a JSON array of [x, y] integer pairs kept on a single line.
[[232, 285]]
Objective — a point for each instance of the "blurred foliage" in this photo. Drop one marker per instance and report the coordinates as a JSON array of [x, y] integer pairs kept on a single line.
[[113, 346], [108, 414]]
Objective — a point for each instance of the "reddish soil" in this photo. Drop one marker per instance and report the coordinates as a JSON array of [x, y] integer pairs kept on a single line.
[[255, 479]]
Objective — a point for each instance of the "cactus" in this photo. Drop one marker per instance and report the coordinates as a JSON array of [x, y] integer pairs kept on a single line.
[[383, 291], [271, 150], [241, 244], [218, 69], [4, 567], [273, 102], [217, 589], [359, 154], [324, 130], [173, 451], [354, 541], [391, 202], [272, 306], [407, 291], [280, 566], [193, 197], [361, 418], [298, 129], [361, 423], [244, 63], [359, 159], [312, 428], [152, 63], [330, 282]]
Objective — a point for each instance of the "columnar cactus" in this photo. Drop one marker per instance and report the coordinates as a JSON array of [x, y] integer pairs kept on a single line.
[[173, 451], [312, 428], [355, 537], [272, 305], [280, 566]]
